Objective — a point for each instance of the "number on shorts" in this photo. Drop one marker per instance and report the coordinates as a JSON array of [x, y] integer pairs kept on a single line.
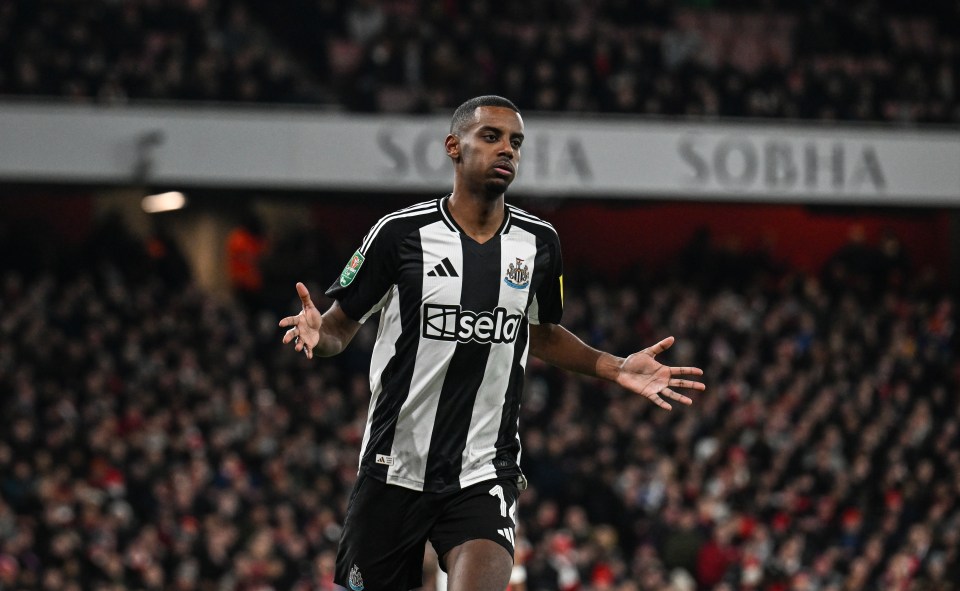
[[497, 491]]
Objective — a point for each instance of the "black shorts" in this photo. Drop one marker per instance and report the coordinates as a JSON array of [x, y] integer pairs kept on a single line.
[[387, 527]]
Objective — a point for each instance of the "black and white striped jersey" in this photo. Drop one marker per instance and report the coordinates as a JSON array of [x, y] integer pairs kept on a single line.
[[446, 374]]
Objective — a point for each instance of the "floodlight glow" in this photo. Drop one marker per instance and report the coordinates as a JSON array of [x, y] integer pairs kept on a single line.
[[164, 202]]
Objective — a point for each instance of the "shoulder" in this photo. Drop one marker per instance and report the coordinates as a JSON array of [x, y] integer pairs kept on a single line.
[[401, 222], [533, 224]]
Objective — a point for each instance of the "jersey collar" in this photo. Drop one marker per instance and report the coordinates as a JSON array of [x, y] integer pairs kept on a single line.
[[444, 208]]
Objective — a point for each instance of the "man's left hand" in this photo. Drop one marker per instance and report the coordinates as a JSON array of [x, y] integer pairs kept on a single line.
[[643, 374]]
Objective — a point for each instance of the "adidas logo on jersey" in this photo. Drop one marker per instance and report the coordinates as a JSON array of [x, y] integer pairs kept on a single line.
[[444, 269], [451, 323]]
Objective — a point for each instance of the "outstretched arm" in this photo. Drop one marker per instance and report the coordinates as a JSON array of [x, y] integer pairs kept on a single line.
[[640, 372], [313, 333]]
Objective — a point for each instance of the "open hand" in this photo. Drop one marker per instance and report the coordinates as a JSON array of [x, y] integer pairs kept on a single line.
[[305, 333], [643, 374]]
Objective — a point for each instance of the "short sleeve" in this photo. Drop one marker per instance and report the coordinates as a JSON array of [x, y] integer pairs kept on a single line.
[[367, 277], [547, 305]]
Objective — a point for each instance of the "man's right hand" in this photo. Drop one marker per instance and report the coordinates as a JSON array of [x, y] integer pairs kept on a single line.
[[305, 331]]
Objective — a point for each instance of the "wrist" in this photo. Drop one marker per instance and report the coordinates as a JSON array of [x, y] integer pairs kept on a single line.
[[609, 366]]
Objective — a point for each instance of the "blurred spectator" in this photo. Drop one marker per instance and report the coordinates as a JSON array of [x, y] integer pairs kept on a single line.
[[166, 259], [246, 249], [870, 60], [155, 438], [365, 20], [114, 52]]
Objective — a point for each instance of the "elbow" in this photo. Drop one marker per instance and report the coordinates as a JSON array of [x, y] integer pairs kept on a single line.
[[539, 338]]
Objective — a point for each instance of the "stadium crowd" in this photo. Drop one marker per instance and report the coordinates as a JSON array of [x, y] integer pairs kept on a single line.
[[867, 60], [155, 437]]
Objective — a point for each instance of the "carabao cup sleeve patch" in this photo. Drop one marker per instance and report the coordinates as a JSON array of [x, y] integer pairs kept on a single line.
[[350, 271]]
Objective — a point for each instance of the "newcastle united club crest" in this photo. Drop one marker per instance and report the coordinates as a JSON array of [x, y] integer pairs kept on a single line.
[[518, 275], [356, 581]]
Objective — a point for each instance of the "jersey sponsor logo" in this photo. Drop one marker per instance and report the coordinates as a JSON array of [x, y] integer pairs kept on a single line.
[[451, 323], [356, 581], [385, 460], [517, 275], [350, 271]]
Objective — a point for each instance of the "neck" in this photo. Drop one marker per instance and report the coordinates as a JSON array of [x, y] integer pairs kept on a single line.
[[479, 215]]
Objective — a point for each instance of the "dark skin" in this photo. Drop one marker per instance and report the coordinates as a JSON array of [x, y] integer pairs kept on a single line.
[[486, 158]]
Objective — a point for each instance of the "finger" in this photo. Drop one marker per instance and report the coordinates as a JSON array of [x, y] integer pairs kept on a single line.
[[307, 349], [661, 346], [689, 384], [676, 396], [686, 371], [290, 335], [304, 294], [655, 398], [290, 320]]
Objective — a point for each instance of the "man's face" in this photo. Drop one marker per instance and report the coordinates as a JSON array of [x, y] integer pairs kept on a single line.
[[489, 149]]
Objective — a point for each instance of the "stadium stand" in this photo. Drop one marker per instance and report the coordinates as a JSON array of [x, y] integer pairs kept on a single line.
[[153, 436], [115, 52], [157, 438], [877, 60]]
